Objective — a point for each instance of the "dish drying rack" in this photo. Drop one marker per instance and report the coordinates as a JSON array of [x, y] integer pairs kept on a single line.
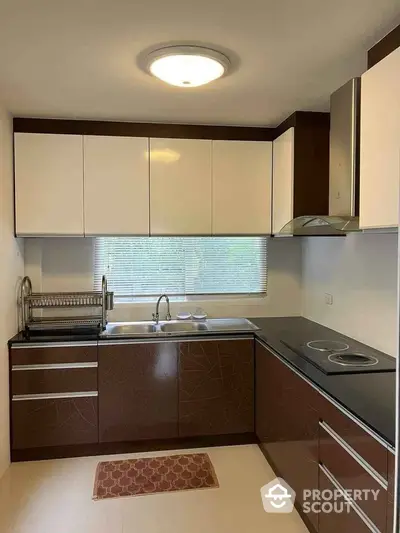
[[100, 301]]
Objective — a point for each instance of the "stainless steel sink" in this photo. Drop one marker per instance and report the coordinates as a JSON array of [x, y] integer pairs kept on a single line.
[[131, 328], [181, 326]]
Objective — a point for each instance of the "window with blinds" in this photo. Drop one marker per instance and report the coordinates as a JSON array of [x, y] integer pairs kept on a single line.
[[141, 267]]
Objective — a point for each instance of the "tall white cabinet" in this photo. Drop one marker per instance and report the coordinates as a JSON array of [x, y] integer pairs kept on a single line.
[[241, 194], [380, 144], [180, 187], [48, 184], [116, 185], [283, 176]]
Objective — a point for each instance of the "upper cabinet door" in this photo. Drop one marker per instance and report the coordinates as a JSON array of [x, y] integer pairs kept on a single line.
[[48, 184], [180, 187], [242, 187], [116, 185], [283, 180], [380, 144]]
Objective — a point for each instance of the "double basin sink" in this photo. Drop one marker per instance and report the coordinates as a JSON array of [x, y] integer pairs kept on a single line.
[[179, 327]]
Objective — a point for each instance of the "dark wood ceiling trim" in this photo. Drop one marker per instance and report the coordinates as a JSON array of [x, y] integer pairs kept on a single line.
[[137, 129], [304, 119], [290, 122], [384, 47]]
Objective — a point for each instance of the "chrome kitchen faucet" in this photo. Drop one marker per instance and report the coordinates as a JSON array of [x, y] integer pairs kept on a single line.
[[156, 315]]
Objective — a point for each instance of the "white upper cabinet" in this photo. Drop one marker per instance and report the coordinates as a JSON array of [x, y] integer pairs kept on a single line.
[[283, 180], [180, 187], [380, 144], [241, 187], [48, 184], [116, 185]]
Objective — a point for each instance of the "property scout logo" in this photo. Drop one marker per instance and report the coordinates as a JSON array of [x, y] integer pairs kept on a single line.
[[278, 497]]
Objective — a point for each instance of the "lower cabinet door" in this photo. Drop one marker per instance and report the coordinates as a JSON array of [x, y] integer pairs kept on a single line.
[[138, 391], [216, 387], [287, 424], [54, 422], [342, 518], [391, 490]]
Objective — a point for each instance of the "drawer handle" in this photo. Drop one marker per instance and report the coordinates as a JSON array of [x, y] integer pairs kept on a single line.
[[367, 521], [54, 396], [75, 344], [356, 456], [54, 366]]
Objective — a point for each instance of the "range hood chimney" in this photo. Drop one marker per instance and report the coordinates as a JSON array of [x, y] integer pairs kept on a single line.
[[344, 162]]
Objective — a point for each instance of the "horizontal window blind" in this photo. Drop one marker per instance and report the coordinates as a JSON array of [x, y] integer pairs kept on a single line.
[[150, 266]]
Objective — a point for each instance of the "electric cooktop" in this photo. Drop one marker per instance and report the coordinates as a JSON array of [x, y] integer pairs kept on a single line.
[[340, 356]]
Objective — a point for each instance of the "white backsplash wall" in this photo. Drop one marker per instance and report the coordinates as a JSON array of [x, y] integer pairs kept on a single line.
[[360, 272], [66, 264]]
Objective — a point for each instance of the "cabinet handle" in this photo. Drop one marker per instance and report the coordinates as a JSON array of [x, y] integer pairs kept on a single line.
[[54, 396], [356, 456], [367, 521], [74, 344], [54, 366]]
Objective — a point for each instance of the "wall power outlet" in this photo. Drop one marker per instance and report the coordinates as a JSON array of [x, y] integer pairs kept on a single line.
[[328, 299]]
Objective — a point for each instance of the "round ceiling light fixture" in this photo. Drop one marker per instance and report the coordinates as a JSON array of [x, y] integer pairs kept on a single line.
[[187, 66]]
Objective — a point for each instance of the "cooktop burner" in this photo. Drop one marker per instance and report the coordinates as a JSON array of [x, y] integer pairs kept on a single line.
[[340, 356], [353, 359], [328, 346]]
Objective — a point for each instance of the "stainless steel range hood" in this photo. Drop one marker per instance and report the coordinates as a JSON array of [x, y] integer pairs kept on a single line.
[[344, 158]]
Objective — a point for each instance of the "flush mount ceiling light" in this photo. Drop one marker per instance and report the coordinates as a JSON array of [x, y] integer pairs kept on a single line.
[[187, 66]]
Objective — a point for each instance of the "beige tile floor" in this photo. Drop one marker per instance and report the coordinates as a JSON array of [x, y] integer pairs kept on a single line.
[[56, 497]]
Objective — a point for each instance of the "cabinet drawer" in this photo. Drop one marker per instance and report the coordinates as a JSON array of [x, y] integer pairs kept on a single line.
[[54, 421], [42, 379], [353, 473], [372, 451], [53, 354], [348, 521]]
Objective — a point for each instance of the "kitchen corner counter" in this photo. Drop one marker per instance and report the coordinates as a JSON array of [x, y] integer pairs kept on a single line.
[[370, 397]]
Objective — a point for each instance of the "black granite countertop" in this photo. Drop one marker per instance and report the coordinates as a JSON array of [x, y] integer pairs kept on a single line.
[[371, 397], [21, 338]]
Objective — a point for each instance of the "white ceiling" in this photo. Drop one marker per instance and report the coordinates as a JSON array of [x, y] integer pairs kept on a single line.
[[77, 58]]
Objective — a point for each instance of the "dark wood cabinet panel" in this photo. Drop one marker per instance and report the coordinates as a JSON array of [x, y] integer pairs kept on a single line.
[[391, 489], [339, 522], [287, 424], [46, 381], [138, 391], [53, 354], [54, 422], [216, 387], [351, 475]]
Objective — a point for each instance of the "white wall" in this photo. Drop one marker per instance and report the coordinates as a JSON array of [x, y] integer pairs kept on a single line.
[[57, 264], [11, 271], [360, 271]]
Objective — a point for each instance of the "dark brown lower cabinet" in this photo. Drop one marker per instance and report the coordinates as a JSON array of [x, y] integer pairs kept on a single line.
[[340, 520], [305, 436], [138, 391], [287, 424], [216, 387], [350, 474], [53, 399], [54, 422], [390, 502]]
